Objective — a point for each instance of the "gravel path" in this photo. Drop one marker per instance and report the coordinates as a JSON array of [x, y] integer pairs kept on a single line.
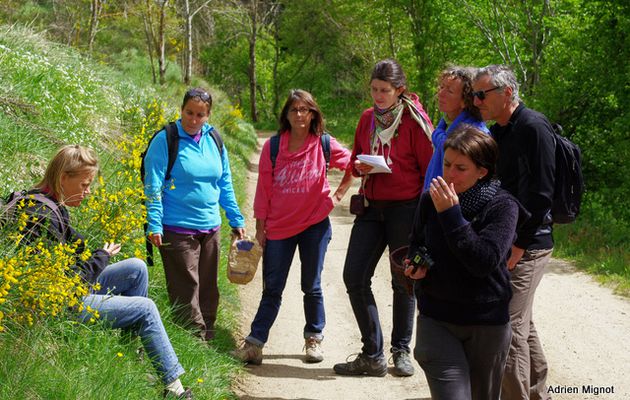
[[584, 328]]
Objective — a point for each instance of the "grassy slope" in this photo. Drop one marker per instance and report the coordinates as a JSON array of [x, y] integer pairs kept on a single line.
[[53, 96]]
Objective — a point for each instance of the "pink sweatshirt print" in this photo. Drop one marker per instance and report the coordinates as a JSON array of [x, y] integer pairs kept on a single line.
[[296, 194]]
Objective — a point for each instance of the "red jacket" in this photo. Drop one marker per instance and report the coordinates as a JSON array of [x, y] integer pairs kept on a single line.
[[410, 154]]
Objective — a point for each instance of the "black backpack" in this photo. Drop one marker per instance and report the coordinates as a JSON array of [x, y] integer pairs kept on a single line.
[[274, 147], [569, 182], [172, 143]]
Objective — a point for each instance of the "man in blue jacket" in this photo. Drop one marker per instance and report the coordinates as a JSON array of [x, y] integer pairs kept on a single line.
[[526, 168]]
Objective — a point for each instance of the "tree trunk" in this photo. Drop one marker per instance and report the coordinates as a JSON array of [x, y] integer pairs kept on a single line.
[[252, 60], [276, 61], [96, 7], [161, 41], [147, 20], [188, 47]]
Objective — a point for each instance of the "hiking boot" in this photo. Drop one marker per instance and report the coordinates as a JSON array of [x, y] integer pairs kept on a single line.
[[362, 365], [314, 353], [186, 395], [402, 363], [248, 353]]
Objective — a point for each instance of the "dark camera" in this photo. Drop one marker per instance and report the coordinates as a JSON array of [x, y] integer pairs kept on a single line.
[[420, 258]]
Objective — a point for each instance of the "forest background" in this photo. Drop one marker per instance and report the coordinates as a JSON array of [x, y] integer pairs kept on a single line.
[[570, 55]]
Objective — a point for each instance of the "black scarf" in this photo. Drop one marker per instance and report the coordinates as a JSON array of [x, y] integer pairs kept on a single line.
[[475, 198]]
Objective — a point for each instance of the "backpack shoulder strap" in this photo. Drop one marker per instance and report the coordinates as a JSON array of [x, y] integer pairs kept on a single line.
[[218, 140], [172, 143], [274, 148], [47, 202], [54, 207], [326, 148]]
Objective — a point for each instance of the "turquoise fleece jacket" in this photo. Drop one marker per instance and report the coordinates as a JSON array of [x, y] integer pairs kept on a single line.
[[200, 182]]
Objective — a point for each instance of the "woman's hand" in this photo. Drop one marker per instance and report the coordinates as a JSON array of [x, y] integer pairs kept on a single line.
[[442, 194], [261, 236], [239, 233], [363, 168], [419, 273], [156, 239], [112, 248]]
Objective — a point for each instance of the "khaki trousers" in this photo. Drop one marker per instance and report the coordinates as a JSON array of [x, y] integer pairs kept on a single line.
[[526, 367], [191, 265]]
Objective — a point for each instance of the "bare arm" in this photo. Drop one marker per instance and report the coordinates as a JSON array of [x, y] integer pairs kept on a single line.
[[260, 232], [345, 183]]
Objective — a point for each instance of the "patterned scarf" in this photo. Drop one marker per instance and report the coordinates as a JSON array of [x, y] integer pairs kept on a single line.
[[386, 124], [475, 198]]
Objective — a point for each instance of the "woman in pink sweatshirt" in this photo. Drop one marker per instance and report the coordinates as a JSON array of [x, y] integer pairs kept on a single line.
[[291, 208]]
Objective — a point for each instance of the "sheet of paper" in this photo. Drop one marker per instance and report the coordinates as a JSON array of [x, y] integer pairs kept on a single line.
[[378, 162]]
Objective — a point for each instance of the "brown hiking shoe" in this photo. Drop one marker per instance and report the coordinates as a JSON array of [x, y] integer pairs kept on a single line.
[[248, 353], [314, 353], [363, 365]]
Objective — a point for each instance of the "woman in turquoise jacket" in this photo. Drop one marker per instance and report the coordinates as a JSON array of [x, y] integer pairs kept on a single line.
[[183, 213]]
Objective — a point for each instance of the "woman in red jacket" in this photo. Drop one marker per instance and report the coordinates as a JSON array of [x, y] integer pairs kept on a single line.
[[398, 129]]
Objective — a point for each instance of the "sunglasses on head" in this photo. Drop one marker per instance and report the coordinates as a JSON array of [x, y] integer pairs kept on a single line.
[[203, 96], [481, 94]]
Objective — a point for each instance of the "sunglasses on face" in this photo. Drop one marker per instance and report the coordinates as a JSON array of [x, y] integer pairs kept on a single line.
[[481, 94]]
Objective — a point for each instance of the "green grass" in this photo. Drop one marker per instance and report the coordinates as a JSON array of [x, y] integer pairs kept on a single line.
[[53, 95], [598, 243]]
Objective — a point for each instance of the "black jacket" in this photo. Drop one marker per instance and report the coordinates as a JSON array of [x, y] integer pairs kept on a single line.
[[47, 226], [526, 168], [469, 283]]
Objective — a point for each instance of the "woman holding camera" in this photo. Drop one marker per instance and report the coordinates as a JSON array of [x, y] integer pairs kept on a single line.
[[467, 224]]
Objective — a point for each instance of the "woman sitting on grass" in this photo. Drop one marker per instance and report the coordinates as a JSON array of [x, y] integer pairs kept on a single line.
[[119, 292]]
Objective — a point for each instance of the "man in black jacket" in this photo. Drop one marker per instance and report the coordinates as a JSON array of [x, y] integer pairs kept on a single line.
[[526, 168]]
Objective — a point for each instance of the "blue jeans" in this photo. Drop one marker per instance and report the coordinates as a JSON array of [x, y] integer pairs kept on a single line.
[[122, 302], [277, 256], [371, 233]]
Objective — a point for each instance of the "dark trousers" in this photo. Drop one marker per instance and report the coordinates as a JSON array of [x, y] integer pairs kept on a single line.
[[190, 265], [372, 232], [462, 362]]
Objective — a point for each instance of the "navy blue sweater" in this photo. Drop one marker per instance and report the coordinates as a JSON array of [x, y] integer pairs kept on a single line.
[[469, 283]]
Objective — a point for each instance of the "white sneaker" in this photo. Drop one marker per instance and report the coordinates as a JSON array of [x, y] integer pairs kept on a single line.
[[314, 353]]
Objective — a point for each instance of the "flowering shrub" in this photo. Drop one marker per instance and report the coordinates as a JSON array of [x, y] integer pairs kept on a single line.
[[36, 280]]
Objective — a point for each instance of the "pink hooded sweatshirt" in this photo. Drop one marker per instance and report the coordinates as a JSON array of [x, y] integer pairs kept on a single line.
[[296, 194]]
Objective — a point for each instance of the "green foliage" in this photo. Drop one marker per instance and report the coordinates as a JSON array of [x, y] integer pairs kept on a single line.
[[98, 106]]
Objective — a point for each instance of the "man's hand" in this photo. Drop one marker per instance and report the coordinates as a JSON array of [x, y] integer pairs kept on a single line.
[[515, 257]]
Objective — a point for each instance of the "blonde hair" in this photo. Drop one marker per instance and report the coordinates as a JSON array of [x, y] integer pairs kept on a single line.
[[71, 160]]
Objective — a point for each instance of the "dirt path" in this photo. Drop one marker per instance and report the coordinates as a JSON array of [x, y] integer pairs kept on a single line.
[[584, 328]]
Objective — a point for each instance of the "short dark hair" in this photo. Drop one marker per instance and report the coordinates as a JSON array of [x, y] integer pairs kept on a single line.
[[317, 120], [479, 146], [389, 70], [200, 94]]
